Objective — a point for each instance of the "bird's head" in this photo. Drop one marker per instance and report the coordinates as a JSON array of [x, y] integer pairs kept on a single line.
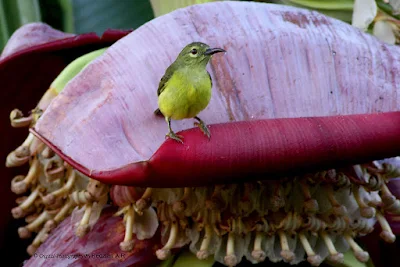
[[197, 54]]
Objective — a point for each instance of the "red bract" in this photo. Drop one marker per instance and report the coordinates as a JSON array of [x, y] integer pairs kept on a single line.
[[273, 148], [32, 59], [280, 62]]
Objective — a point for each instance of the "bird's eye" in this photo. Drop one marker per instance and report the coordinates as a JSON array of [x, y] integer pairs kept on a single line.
[[194, 51]]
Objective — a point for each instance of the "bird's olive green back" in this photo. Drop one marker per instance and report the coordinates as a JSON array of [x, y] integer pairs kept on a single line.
[[168, 73]]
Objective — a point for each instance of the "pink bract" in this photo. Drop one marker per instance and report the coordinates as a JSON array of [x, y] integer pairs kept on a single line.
[[281, 62]]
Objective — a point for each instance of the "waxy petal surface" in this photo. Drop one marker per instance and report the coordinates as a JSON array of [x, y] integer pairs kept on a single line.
[[281, 62]]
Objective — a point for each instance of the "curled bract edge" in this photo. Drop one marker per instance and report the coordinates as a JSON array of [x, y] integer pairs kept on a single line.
[[266, 148]]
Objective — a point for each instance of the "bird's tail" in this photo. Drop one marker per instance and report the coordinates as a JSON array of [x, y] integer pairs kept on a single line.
[[157, 112]]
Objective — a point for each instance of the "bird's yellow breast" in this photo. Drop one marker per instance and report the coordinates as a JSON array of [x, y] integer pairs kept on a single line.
[[186, 93]]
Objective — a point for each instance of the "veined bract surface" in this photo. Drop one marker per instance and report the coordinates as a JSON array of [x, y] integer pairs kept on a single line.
[[281, 63]]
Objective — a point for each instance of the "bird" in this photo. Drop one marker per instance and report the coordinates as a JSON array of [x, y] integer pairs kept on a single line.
[[185, 89]]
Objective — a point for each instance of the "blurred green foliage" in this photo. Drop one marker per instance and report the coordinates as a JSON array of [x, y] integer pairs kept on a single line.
[[15, 13], [99, 15], [75, 16], [81, 16], [340, 9], [58, 14], [161, 7]]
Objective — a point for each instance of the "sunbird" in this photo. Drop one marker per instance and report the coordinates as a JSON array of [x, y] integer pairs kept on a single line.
[[185, 88]]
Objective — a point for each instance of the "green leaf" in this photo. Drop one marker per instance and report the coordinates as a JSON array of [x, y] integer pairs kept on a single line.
[[340, 9], [187, 258], [74, 68], [14, 14], [168, 262], [387, 9], [161, 7], [100, 15], [4, 33], [58, 14], [29, 11], [324, 4], [68, 17]]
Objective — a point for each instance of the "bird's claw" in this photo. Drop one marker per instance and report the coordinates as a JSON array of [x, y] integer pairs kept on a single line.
[[174, 136], [203, 127]]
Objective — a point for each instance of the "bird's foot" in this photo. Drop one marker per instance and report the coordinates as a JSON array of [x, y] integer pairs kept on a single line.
[[174, 136], [203, 127]]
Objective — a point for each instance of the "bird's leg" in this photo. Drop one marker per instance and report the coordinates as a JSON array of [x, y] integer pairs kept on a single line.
[[171, 133], [203, 127]]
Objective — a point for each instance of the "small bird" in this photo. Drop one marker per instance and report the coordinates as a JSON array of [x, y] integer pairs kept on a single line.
[[185, 88]]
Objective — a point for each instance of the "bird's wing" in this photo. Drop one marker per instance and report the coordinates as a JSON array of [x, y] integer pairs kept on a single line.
[[164, 79]]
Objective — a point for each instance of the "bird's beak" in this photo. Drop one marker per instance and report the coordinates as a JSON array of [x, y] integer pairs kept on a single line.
[[212, 51]]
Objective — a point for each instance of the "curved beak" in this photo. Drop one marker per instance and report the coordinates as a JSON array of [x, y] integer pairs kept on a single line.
[[212, 51]]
